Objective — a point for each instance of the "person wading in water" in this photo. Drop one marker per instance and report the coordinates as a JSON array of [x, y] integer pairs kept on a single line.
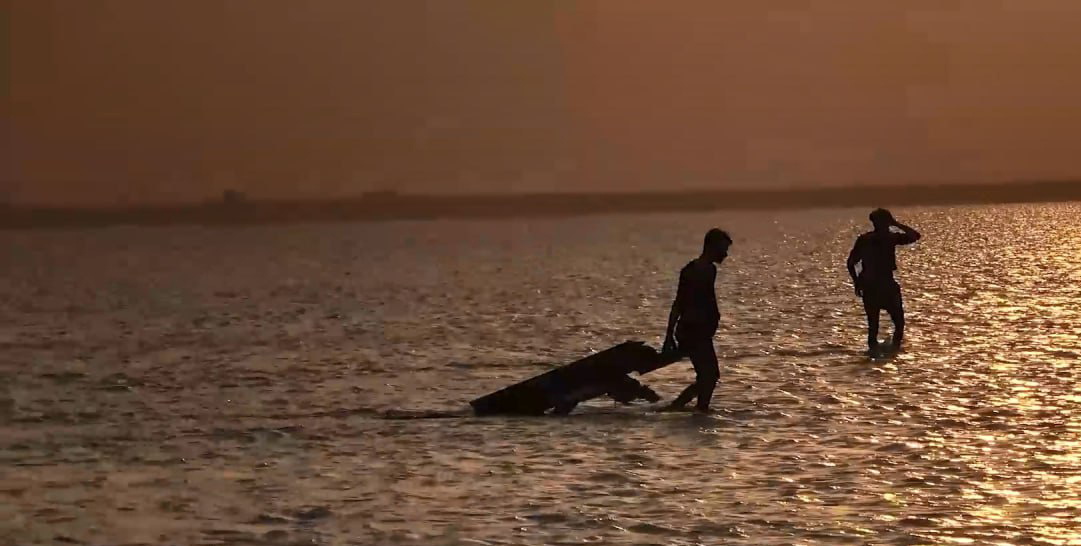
[[694, 318], [876, 254]]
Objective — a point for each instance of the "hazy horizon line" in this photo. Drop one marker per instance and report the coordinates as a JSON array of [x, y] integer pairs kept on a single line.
[[234, 210], [246, 197]]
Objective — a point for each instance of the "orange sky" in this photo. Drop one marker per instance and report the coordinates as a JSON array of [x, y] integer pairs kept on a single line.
[[136, 100]]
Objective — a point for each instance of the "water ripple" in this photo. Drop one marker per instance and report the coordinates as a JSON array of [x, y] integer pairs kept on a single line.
[[307, 384]]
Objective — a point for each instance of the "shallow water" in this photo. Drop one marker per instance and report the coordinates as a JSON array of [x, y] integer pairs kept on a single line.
[[255, 385]]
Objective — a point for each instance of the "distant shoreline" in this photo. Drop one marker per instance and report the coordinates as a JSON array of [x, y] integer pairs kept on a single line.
[[386, 206]]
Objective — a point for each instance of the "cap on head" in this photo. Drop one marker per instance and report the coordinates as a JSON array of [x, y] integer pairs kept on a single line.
[[716, 237]]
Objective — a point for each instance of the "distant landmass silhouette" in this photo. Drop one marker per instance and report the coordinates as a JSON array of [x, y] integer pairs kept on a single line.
[[235, 208]]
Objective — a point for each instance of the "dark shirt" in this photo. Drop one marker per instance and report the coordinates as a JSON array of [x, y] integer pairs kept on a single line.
[[877, 252], [696, 296]]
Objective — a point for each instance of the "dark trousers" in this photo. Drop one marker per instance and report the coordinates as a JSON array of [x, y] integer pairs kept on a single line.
[[699, 347], [884, 296]]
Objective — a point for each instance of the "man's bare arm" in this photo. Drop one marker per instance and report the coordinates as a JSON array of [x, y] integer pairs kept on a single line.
[[908, 236], [853, 259], [673, 318]]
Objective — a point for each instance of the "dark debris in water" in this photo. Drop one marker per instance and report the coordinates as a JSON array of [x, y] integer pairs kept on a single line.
[[311, 514]]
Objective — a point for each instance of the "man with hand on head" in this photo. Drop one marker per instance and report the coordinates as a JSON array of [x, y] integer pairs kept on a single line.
[[876, 253]]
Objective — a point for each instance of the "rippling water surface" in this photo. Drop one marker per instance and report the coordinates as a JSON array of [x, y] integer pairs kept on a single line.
[[253, 385]]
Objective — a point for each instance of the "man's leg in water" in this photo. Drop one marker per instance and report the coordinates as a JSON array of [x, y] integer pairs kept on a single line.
[[704, 359], [686, 345], [685, 396], [896, 310], [871, 308]]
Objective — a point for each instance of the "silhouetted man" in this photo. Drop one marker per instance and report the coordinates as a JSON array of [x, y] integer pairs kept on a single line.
[[876, 253], [694, 317]]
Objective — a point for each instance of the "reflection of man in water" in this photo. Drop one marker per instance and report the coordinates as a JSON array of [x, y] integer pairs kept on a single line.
[[694, 318], [876, 252]]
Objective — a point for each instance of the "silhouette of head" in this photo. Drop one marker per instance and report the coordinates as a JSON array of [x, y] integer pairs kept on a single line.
[[882, 219], [715, 246]]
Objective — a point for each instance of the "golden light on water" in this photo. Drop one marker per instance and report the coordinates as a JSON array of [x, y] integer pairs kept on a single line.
[[212, 396]]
